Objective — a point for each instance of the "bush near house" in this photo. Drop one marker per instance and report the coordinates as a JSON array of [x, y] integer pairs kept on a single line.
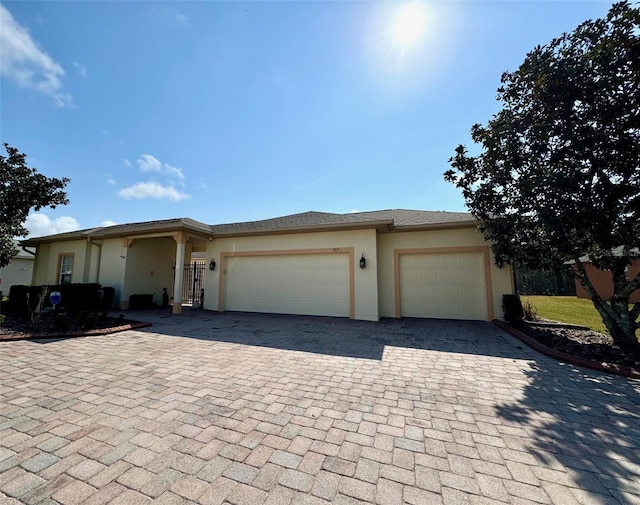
[[74, 297]]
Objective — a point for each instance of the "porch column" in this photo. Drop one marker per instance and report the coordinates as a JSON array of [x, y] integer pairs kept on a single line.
[[181, 240]]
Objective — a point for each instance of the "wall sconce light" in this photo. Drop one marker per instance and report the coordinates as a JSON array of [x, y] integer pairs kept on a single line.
[[212, 265], [363, 262]]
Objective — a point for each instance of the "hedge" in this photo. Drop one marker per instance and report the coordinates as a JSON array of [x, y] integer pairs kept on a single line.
[[74, 297]]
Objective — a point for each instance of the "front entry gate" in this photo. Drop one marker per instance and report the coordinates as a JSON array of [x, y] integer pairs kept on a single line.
[[193, 283]]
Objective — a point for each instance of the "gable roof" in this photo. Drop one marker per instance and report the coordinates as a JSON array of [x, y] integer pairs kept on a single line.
[[121, 230], [382, 220]]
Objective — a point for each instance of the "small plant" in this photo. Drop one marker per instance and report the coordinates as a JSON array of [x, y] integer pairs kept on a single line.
[[513, 311], [36, 311], [61, 322], [91, 320], [3, 318], [530, 311]]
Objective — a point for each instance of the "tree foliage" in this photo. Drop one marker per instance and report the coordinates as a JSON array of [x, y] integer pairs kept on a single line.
[[558, 173], [21, 190]]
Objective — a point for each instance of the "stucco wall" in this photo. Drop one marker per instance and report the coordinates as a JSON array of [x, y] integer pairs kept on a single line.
[[41, 265], [502, 279], [362, 241], [19, 271], [112, 263], [149, 268], [48, 256], [603, 282]]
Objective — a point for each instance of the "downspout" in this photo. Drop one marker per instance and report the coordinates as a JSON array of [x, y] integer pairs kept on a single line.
[[99, 260]]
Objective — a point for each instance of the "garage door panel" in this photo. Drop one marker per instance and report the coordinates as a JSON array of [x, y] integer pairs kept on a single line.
[[443, 285], [316, 284]]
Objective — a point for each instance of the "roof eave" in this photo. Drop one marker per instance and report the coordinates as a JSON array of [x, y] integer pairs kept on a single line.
[[106, 233], [142, 230]]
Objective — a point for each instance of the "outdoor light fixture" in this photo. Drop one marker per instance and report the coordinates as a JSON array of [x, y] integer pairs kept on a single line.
[[363, 262], [212, 265]]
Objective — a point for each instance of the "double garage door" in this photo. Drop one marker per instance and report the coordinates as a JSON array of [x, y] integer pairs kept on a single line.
[[450, 285], [311, 284]]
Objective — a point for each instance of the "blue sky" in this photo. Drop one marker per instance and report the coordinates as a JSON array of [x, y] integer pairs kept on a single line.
[[234, 111]]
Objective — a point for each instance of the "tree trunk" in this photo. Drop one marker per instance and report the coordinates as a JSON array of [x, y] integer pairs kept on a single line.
[[615, 313]]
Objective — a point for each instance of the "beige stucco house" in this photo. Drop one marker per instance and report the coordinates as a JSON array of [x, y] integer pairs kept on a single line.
[[365, 265], [18, 271]]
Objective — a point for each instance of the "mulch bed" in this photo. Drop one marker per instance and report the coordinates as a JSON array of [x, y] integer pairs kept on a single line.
[[586, 348], [21, 328]]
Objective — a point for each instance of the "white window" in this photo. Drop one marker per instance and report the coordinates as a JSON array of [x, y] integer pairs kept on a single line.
[[66, 268]]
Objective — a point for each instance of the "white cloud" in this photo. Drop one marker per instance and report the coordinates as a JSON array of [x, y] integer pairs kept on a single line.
[[152, 190], [173, 171], [148, 163], [40, 224], [111, 181], [23, 61], [126, 162], [181, 17], [82, 70], [108, 222]]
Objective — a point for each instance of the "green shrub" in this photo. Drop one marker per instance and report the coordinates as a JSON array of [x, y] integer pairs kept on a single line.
[[61, 322], [91, 320], [74, 297], [513, 311]]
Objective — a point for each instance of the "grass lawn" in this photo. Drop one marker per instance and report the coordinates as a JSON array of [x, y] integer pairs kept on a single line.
[[568, 309]]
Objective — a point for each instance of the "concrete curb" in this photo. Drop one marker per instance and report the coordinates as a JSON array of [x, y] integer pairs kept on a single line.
[[625, 371], [129, 325]]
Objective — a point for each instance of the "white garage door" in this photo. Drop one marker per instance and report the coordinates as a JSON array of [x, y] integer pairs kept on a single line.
[[443, 285], [311, 284]]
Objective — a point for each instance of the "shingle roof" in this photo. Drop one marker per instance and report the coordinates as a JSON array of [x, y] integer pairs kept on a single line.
[[392, 218], [120, 230], [405, 217], [302, 220], [384, 220]]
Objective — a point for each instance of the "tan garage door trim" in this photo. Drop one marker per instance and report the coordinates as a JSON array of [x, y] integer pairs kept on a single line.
[[439, 250], [289, 252]]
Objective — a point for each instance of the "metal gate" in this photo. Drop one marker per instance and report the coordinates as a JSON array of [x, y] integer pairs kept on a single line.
[[193, 282]]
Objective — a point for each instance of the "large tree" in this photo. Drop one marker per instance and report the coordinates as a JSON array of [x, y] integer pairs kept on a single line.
[[556, 175], [22, 189]]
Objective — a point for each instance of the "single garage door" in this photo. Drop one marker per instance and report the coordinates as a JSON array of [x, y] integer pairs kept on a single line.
[[443, 285], [311, 284]]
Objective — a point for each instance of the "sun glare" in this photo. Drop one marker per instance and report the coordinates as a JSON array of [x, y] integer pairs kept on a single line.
[[409, 24]]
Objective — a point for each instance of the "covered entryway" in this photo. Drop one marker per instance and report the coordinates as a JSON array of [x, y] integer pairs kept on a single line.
[[314, 282], [443, 283]]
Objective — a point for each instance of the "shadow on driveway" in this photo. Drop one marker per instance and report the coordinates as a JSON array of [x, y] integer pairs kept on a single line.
[[585, 421], [583, 426], [334, 336]]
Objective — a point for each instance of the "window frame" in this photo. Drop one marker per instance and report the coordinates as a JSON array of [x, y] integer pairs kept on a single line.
[[61, 257]]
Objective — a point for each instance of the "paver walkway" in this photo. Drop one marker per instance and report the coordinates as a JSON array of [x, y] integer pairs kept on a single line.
[[255, 409]]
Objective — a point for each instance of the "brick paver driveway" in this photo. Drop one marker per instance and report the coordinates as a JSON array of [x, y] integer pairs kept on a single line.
[[250, 409]]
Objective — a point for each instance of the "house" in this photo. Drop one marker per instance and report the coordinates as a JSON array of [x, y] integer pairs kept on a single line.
[[18, 271], [364, 265], [602, 280]]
